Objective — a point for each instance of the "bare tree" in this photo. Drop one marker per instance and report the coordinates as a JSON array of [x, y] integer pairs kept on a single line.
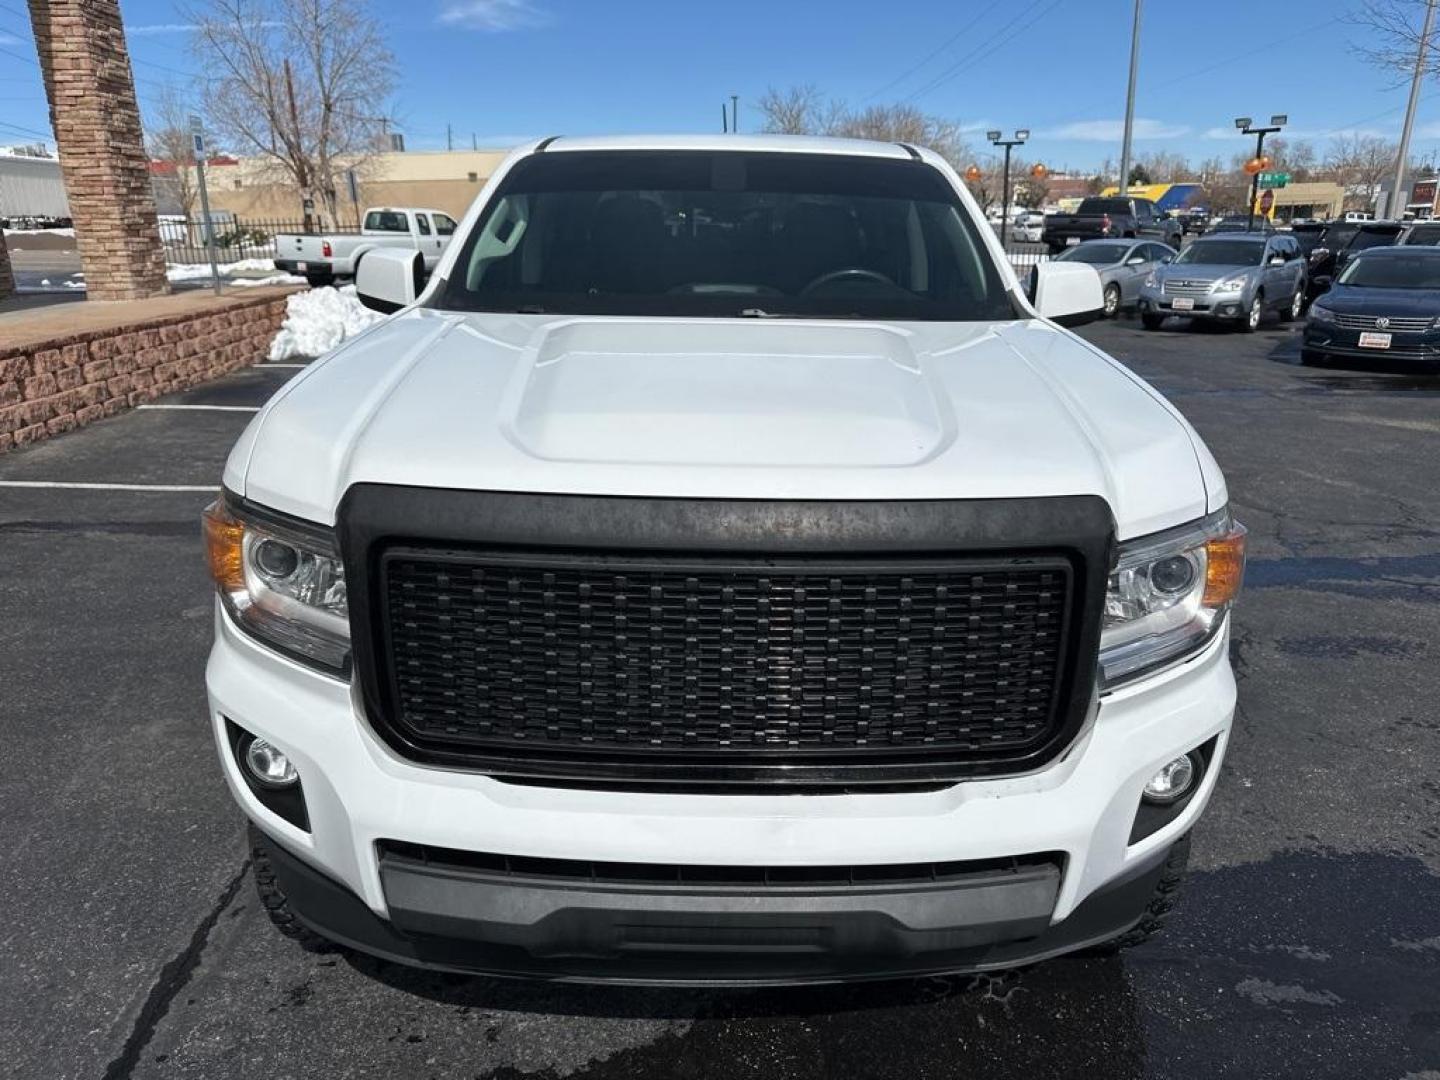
[[168, 141], [801, 110], [796, 111], [1297, 158], [1391, 36], [1359, 163], [301, 84]]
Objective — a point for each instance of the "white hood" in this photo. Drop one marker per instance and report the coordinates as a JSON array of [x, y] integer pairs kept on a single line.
[[736, 408]]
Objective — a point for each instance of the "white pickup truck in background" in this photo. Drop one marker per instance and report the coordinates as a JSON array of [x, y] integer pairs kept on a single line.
[[322, 257]]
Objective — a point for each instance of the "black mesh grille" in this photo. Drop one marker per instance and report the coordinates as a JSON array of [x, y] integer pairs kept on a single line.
[[723, 662]]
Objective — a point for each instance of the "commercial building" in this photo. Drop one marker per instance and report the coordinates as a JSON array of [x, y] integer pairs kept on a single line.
[[31, 187]]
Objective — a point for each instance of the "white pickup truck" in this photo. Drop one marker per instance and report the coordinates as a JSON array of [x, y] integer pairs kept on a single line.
[[722, 571], [322, 257]]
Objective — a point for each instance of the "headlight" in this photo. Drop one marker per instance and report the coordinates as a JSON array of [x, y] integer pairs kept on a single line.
[[1321, 314], [1153, 281], [282, 581], [1168, 595], [1234, 284]]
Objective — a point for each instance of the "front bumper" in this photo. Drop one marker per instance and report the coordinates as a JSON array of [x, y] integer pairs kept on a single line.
[[364, 803], [1225, 307], [1329, 340]]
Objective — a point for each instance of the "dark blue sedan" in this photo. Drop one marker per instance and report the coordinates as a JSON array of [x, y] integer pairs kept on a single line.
[[1384, 304]]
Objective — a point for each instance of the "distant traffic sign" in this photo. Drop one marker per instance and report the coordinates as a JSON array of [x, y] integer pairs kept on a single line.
[[1274, 179]]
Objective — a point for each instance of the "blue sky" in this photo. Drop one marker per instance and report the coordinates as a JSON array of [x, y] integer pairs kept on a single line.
[[503, 70]]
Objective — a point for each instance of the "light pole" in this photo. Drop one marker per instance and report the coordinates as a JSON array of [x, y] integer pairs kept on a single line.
[[996, 139], [1130, 104], [1278, 121], [1396, 207]]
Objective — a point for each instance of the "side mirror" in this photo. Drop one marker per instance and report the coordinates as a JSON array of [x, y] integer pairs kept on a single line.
[[389, 279], [1277, 260], [1135, 260], [1068, 293]]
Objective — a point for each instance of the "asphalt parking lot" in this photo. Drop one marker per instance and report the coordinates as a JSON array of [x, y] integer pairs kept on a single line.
[[1306, 942]]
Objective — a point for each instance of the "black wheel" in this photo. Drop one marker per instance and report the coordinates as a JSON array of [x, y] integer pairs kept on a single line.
[[319, 281], [1162, 901], [1112, 300], [1251, 322], [1150, 320], [1292, 311], [272, 899]]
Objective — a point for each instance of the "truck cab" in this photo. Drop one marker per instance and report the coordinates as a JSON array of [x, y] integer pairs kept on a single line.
[[322, 258]]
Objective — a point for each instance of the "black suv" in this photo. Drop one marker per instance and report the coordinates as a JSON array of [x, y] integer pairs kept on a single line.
[[1425, 233], [1340, 242]]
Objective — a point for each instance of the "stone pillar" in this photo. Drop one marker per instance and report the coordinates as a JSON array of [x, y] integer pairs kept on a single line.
[[102, 147], [7, 279]]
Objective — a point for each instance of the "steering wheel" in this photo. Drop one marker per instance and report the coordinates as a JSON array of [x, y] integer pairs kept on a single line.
[[851, 273]]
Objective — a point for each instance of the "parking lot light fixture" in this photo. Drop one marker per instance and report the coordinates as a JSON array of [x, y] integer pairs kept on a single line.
[[1242, 122], [997, 138], [1260, 161]]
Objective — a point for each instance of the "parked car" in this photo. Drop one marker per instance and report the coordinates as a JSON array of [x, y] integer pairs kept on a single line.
[[1123, 266], [1194, 220], [1308, 234], [1420, 233], [536, 598], [1385, 303], [1231, 278], [1340, 242], [1105, 218], [1241, 223], [1028, 228], [322, 257]]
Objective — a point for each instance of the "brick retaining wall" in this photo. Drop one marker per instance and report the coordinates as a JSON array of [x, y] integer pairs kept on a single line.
[[64, 382]]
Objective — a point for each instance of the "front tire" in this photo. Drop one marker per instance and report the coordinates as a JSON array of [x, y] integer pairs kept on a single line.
[[1162, 902], [1297, 305], [274, 901], [1112, 300], [1251, 322]]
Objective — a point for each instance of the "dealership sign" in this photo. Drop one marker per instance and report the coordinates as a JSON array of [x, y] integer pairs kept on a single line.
[[1422, 193]]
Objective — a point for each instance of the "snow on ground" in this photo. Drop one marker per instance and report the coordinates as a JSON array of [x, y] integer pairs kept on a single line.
[[39, 232], [199, 271], [318, 320], [273, 279]]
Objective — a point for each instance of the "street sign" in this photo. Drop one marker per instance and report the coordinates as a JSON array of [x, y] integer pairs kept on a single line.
[[1267, 201], [1274, 179]]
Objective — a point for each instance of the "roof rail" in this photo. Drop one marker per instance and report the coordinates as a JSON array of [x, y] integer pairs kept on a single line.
[[910, 150], [540, 148]]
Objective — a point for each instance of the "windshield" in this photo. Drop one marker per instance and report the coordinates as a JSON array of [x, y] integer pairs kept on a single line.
[[1095, 254], [1393, 272], [1337, 236], [1370, 238], [691, 233], [1222, 253], [1424, 234]]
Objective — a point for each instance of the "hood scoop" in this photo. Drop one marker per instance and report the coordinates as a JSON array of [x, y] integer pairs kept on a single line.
[[732, 394]]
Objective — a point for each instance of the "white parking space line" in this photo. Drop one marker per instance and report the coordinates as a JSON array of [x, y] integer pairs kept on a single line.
[[70, 485], [203, 408]]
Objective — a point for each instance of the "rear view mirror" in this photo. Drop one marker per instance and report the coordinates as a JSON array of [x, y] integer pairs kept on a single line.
[[1068, 293], [389, 279]]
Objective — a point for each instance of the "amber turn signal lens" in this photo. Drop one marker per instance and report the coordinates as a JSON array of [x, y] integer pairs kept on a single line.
[[1224, 566], [224, 547]]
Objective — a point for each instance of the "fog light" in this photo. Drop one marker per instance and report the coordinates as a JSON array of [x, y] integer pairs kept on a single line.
[[1172, 782], [269, 767]]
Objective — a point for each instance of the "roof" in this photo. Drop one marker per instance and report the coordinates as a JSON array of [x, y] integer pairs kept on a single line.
[[1231, 237], [1425, 251], [778, 144]]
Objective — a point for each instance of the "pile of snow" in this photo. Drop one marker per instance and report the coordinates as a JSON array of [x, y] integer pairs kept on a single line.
[[39, 232], [198, 271], [273, 279], [318, 320]]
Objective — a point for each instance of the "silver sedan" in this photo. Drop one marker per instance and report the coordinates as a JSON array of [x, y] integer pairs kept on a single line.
[[1123, 266]]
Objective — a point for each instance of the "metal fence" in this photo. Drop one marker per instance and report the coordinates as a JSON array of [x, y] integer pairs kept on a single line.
[[236, 238]]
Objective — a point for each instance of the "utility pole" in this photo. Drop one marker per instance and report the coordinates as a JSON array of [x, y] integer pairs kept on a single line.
[[1130, 103], [449, 138], [474, 143], [735, 113], [996, 139], [1396, 207], [1278, 121], [724, 120]]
